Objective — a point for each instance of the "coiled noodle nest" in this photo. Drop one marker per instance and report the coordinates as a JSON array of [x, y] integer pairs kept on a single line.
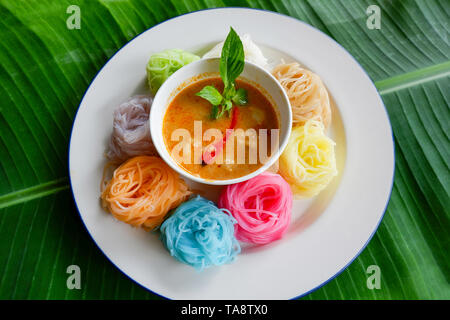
[[162, 65], [142, 191], [306, 92], [308, 163], [200, 234], [131, 130]]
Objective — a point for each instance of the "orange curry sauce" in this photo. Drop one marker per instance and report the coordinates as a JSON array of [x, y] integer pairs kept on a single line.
[[187, 107]]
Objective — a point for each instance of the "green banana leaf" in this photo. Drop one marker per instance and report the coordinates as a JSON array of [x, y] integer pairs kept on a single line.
[[45, 68]]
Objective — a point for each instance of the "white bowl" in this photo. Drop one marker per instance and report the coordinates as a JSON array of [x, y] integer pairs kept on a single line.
[[203, 69]]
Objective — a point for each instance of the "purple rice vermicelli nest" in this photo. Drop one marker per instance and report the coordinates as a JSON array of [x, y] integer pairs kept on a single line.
[[131, 130]]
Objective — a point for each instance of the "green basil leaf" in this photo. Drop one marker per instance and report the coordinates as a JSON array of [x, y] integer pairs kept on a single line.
[[229, 92], [240, 97], [215, 112], [231, 59], [211, 94], [222, 111], [228, 104]]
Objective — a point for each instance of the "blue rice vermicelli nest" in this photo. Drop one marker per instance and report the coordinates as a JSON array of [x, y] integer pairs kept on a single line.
[[200, 234]]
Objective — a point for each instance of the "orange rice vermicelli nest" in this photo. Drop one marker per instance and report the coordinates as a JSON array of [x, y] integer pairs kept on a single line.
[[142, 191], [306, 92]]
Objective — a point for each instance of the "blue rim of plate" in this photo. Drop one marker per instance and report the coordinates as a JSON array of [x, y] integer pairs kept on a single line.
[[283, 15]]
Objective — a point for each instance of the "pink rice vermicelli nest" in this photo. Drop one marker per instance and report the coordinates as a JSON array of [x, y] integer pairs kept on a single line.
[[262, 207]]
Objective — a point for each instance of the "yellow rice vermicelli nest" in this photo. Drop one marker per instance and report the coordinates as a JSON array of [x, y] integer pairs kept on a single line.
[[308, 163]]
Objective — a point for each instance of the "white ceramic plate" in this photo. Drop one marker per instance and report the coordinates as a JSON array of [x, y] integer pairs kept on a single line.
[[327, 233]]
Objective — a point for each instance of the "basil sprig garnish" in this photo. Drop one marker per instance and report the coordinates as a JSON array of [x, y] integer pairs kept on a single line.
[[231, 66]]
